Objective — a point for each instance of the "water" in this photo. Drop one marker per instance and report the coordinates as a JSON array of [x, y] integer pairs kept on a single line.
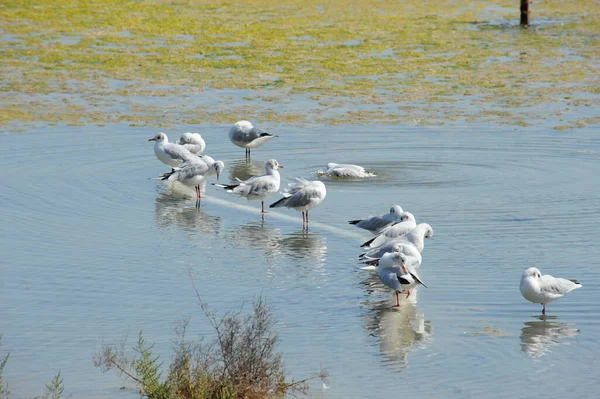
[[95, 250]]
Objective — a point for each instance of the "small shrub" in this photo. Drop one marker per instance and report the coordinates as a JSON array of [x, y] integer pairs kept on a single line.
[[241, 362], [55, 389]]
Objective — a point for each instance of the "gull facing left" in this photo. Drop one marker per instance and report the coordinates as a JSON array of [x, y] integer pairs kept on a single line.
[[258, 187], [395, 273], [538, 288]]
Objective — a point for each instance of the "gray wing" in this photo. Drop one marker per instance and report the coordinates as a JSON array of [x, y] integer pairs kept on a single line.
[[261, 185], [375, 223], [389, 277], [556, 286], [175, 151], [247, 136], [298, 200], [191, 169]]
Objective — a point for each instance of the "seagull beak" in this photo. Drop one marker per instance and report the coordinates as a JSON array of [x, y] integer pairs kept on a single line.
[[280, 166], [152, 139], [217, 175]]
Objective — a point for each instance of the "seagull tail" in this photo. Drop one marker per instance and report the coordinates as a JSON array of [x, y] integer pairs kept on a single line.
[[366, 244], [227, 187], [165, 176], [279, 203]]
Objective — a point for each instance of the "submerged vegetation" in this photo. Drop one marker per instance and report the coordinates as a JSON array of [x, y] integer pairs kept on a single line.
[[166, 62], [241, 362]]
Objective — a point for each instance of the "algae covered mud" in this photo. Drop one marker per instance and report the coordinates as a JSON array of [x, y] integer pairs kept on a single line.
[[297, 61]]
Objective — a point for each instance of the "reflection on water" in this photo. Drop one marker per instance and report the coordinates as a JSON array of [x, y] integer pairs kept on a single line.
[[265, 237], [245, 169], [537, 337], [399, 330], [174, 209]]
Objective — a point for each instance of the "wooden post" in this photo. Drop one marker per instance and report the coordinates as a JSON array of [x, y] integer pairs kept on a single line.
[[525, 14]]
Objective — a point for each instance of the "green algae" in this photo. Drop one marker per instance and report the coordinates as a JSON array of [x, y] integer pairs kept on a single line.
[[412, 61]]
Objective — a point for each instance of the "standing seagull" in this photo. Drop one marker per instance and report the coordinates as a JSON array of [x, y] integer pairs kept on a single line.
[[544, 289], [193, 142], [396, 274], [192, 174], [244, 135], [302, 196], [394, 230], [169, 153], [258, 187], [376, 223]]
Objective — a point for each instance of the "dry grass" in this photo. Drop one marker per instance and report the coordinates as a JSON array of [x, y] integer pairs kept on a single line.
[[241, 362]]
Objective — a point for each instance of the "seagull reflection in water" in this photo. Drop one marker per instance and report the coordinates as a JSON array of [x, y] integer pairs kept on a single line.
[[172, 210], [538, 337], [245, 169], [265, 237], [400, 331]]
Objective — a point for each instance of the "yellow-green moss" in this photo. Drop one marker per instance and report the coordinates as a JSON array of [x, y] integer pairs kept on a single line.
[[370, 52]]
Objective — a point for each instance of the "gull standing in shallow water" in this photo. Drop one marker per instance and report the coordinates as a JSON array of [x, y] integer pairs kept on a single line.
[[302, 196], [395, 273], [345, 171], [192, 173], [193, 142], [258, 187], [244, 135], [170, 153], [376, 223], [394, 230], [544, 289]]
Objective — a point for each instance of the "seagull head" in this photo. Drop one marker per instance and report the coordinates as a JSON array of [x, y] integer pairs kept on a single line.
[[218, 166], [396, 210], [407, 216], [160, 137], [272, 164], [532, 272]]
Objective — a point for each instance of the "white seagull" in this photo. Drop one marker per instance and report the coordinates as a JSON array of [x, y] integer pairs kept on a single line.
[[394, 273], [193, 142], [394, 230], [258, 187], [376, 223], [170, 153], [345, 171], [302, 196], [192, 173], [544, 289], [414, 238], [244, 135], [413, 256]]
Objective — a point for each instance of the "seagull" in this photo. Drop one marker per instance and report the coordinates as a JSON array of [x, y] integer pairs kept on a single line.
[[407, 223], [376, 223], [258, 187], [192, 174], [244, 135], [302, 196], [169, 153], [413, 256], [396, 274], [193, 142], [544, 289], [413, 242], [345, 170]]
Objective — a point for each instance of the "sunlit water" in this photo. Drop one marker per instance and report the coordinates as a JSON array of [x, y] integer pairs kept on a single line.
[[94, 250]]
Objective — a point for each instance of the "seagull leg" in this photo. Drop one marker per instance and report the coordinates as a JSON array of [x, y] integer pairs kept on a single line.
[[397, 305], [262, 206], [407, 295], [544, 309], [307, 218]]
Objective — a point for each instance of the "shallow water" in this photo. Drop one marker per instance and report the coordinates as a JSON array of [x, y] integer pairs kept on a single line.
[[94, 250]]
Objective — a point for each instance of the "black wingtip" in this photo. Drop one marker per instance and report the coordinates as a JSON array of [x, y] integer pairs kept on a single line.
[[265, 134], [274, 204], [366, 244], [575, 281], [354, 221]]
